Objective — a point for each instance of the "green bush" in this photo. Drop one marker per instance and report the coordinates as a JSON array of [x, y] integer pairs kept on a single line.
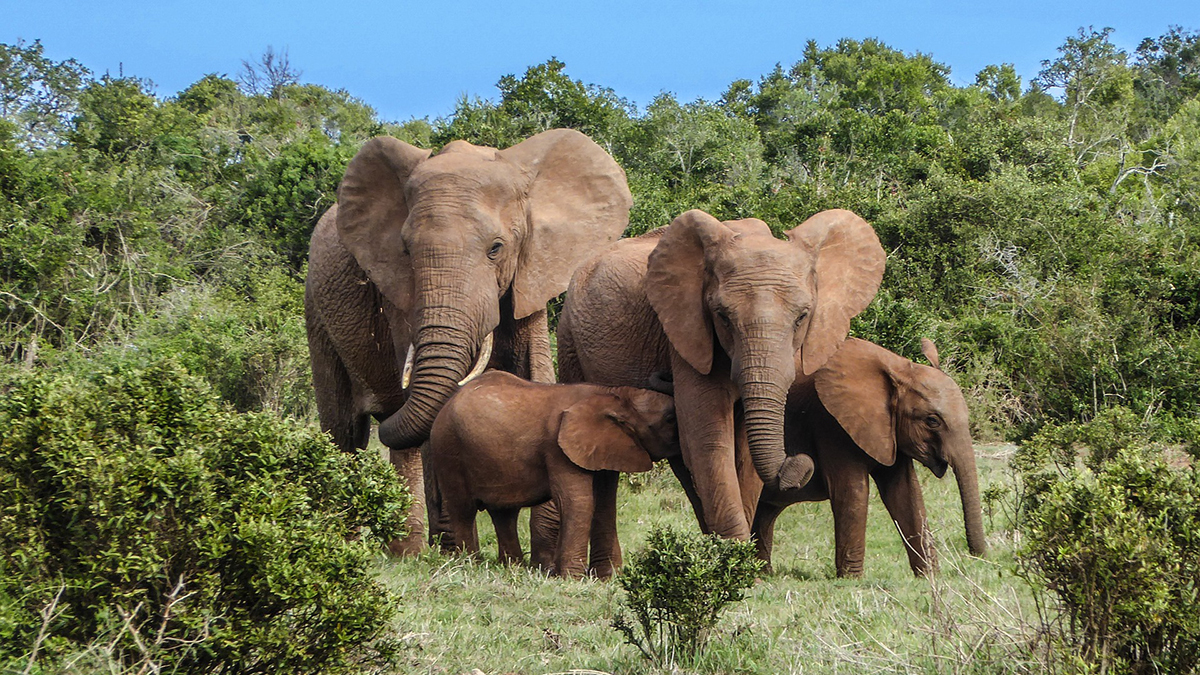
[[139, 512], [249, 344], [677, 587], [1111, 526]]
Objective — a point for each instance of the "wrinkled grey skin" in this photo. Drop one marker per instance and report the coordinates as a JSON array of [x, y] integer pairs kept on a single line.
[[437, 253], [725, 308]]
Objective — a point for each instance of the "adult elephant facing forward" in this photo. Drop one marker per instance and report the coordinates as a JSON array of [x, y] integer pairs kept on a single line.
[[725, 307], [429, 256]]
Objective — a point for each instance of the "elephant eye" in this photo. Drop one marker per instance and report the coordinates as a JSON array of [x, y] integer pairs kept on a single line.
[[800, 319], [933, 422], [495, 250], [723, 316]]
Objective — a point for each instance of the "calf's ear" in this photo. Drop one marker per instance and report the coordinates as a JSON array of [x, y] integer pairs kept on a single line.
[[592, 435]]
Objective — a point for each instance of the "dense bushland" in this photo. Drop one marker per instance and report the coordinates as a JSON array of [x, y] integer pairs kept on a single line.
[[1045, 234], [143, 522]]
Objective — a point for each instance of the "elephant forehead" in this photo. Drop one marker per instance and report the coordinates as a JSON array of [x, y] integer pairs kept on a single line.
[[761, 263], [467, 172], [940, 391]]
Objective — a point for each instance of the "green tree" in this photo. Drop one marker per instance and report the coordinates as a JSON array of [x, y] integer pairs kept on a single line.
[[37, 94]]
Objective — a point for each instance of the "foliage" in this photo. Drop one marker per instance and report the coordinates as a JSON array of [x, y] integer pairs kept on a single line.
[[1116, 540], [1047, 237], [37, 94], [137, 508], [248, 343], [676, 589], [284, 200]]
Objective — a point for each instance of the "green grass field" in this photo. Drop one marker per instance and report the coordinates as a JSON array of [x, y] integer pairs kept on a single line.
[[974, 616]]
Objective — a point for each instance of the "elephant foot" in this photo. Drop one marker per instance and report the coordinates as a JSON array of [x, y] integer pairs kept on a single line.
[[411, 545], [442, 542], [603, 572], [796, 471]]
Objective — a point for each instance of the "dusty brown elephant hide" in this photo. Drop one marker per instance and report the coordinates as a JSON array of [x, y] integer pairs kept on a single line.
[[869, 413], [502, 443], [433, 254], [725, 307]]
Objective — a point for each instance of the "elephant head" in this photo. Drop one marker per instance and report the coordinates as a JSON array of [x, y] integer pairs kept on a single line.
[[771, 305], [448, 238], [889, 405], [623, 430]]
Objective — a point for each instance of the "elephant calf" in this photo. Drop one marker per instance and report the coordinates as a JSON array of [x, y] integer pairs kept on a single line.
[[502, 443], [870, 412]]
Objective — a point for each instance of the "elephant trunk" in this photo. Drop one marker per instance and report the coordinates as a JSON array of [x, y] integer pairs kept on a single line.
[[764, 395], [442, 354], [968, 490]]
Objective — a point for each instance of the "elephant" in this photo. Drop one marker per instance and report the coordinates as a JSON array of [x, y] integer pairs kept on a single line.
[[502, 443], [871, 412], [449, 259], [725, 308]]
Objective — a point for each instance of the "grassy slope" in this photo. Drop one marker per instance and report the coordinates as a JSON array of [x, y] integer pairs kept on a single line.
[[459, 615]]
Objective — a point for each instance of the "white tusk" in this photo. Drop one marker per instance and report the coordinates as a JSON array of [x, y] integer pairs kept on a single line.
[[485, 355], [407, 376]]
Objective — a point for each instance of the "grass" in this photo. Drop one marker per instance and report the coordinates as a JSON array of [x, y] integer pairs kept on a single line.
[[974, 616]]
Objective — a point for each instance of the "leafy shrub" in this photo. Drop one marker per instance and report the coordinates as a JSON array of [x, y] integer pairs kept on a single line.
[[284, 201], [137, 508], [676, 589], [1116, 539], [250, 344]]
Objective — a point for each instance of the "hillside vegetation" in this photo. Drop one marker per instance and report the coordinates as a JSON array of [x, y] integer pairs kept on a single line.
[[1045, 234]]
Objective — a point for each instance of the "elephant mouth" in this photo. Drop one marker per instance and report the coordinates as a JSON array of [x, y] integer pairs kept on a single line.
[[485, 355], [938, 467]]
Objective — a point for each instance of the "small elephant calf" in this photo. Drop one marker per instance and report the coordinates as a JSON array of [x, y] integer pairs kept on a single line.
[[502, 443], [869, 413]]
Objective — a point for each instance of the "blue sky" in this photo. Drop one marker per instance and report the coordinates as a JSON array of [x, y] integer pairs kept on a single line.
[[416, 58]]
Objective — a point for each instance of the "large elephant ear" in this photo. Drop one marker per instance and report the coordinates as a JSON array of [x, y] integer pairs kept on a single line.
[[372, 209], [848, 268], [675, 276], [578, 204], [592, 437], [856, 387]]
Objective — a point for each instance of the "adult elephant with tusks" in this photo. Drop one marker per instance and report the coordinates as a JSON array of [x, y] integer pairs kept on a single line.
[[728, 310], [431, 267]]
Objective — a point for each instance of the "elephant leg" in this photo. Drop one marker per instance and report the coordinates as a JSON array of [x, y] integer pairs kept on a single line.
[[505, 522], [848, 497], [440, 534], [409, 465], [534, 334], [460, 513], [763, 531], [704, 406], [576, 502], [543, 535], [569, 367], [522, 346], [689, 488], [605, 554], [349, 427], [901, 494]]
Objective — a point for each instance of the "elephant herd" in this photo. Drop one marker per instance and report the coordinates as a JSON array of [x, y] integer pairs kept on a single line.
[[431, 269]]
